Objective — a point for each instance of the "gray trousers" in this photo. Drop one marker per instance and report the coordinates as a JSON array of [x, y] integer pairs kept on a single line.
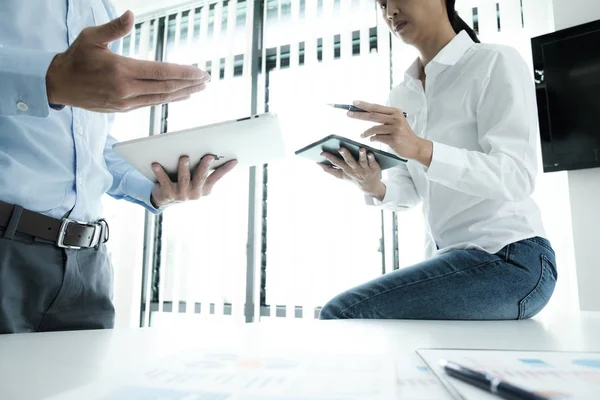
[[46, 288]]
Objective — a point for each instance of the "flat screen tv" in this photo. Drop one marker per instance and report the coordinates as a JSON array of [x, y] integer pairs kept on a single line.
[[567, 77]]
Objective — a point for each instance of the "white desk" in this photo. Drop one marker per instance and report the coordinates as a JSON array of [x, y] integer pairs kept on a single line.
[[34, 366]]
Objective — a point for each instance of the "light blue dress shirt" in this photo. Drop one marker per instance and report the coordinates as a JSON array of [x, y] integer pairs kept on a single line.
[[55, 161]]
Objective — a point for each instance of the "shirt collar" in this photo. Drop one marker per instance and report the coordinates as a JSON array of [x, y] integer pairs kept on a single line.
[[448, 56], [414, 70]]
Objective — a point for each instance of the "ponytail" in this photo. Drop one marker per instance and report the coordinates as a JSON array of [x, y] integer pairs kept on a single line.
[[458, 24]]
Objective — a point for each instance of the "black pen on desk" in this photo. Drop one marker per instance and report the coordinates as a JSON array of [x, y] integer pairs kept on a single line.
[[352, 108], [488, 382]]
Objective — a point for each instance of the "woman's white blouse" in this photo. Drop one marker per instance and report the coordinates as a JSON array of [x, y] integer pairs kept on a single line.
[[479, 110]]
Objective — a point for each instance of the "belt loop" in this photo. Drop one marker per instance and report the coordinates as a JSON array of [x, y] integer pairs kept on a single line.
[[508, 252], [13, 223]]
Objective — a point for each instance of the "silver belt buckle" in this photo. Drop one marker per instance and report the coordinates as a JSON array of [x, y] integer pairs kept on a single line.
[[104, 232], [60, 242]]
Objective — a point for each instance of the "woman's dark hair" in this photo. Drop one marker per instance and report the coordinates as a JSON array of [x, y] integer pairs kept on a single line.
[[457, 22]]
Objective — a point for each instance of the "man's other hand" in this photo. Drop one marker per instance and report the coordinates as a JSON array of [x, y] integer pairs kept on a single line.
[[89, 76]]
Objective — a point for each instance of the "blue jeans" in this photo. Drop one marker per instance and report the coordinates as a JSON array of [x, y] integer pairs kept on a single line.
[[515, 283]]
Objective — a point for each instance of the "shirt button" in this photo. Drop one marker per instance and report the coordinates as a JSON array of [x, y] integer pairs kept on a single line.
[[22, 106], [80, 181], [79, 131]]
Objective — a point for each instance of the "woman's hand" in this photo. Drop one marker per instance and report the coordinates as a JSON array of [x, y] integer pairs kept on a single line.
[[364, 172], [394, 130]]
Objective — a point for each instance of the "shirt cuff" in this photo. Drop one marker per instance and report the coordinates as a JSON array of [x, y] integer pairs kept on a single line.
[[23, 76], [392, 194], [447, 166], [139, 189]]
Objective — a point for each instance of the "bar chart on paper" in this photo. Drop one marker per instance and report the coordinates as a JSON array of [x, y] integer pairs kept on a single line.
[[415, 381], [201, 375], [554, 375]]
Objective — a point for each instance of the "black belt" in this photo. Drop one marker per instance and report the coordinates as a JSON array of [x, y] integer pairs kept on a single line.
[[65, 233]]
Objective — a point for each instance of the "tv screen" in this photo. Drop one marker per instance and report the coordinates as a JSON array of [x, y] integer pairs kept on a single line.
[[567, 76]]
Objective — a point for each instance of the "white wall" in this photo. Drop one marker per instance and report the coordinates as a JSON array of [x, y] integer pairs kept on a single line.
[[568, 13], [584, 186]]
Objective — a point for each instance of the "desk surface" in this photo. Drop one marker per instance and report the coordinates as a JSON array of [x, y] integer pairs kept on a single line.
[[35, 366]]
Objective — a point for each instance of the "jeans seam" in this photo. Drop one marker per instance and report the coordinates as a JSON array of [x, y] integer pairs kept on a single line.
[[525, 300], [420, 281]]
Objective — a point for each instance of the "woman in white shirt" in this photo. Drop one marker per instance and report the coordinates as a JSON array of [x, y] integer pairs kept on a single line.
[[470, 140]]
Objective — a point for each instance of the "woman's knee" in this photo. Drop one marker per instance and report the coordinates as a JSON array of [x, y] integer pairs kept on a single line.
[[331, 310]]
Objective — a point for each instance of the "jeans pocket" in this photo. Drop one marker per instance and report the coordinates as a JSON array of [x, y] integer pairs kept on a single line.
[[535, 301]]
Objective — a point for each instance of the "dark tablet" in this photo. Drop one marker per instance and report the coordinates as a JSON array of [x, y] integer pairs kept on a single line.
[[332, 143]]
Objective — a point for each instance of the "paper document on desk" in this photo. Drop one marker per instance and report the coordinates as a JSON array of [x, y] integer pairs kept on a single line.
[[201, 375], [555, 375]]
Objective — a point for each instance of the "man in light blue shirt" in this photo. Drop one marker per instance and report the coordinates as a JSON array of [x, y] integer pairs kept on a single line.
[[59, 80]]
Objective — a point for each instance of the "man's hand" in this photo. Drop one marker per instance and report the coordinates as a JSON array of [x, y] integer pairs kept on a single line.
[[89, 76], [188, 187]]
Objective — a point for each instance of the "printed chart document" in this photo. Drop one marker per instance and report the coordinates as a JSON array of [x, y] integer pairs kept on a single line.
[[555, 375], [226, 375]]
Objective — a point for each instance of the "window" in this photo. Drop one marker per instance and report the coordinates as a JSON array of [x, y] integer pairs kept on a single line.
[[127, 221], [196, 269], [301, 50], [373, 40], [197, 22], [272, 10], [185, 24], [356, 43], [238, 66], [152, 38], [286, 10], [138, 30], [320, 49], [126, 45], [498, 15], [476, 20], [202, 249], [211, 19], [285, 56], [172, 47], [522, 17], [241, 15], [337, 47], [321, 238]]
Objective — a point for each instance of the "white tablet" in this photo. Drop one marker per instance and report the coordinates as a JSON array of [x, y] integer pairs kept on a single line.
[[252, 141]]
